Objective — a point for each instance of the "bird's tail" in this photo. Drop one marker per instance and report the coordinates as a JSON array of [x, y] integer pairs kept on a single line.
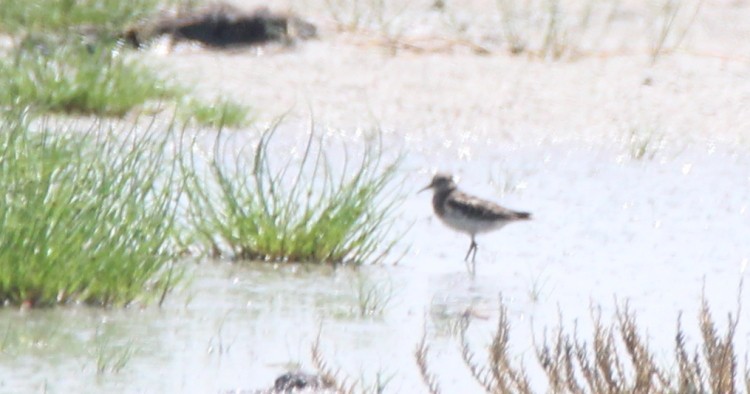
[[522, 215]]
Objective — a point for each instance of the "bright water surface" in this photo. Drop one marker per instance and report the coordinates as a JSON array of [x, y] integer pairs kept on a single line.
[[605, 227], [550, 137]]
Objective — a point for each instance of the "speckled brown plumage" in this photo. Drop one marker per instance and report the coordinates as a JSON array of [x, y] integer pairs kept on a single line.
[[468, 214]]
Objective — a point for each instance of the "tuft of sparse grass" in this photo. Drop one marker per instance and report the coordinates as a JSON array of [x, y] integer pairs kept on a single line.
[[348, 16], [77, 78], [644, 143], [332, 379], [380, 18], [109, 357], [86, 217], [219, 114], [500, 375], [549, 29], [617, 359], [298, 211], [536, 286], [509, 182], [420, 355], [555, 29], [372, 297], [357, 15], [18, 339], [217, 344], [378, 385], [670, 26]]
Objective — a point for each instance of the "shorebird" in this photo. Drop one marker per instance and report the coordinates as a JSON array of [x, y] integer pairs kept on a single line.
[[468, 214]]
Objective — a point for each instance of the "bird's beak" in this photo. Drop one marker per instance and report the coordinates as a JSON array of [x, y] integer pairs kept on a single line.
[[424, 188]]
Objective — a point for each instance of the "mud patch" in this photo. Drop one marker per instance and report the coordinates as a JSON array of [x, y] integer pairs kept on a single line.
[[222, 25]]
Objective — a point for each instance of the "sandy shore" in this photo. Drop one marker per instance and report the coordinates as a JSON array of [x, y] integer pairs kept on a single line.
[[699, 91]]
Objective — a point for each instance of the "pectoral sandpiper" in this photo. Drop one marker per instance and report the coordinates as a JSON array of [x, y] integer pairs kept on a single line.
[[468, 214]]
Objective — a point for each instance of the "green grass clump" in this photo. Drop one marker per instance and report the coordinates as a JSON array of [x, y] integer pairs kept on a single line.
[[58, 16], [221, 113], [300, 212], [85, 217], [77, 78], [645, 143], [69, 57]]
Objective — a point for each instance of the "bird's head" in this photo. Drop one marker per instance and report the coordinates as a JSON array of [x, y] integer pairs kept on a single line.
[[441, 182]]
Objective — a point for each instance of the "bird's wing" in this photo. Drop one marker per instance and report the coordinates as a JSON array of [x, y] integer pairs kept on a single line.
[[476, 207]]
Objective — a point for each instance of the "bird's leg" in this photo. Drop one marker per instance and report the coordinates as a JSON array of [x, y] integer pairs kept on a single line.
[[470, 266], [473, 246]]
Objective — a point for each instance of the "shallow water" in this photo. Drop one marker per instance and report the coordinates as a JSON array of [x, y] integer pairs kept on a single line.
[[654, 233], [551, 138]]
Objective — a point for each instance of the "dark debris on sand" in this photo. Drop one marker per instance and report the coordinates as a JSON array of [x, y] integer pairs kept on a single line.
[[222, 25], [295, 382]]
